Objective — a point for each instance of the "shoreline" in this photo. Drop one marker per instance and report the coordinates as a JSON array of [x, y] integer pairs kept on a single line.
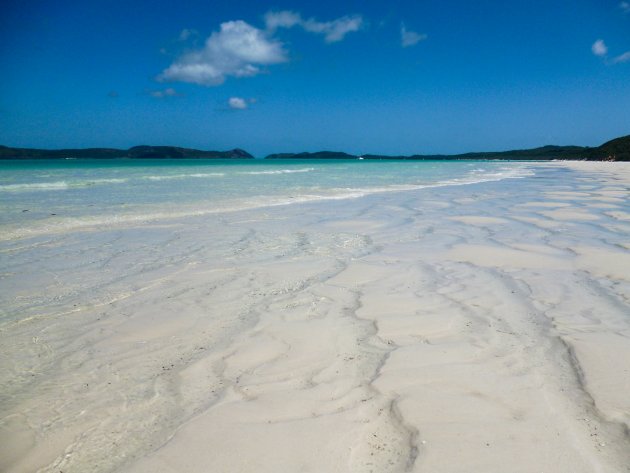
[[439, 329]]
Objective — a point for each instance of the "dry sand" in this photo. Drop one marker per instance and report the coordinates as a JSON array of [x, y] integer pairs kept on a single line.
[[422, 331]]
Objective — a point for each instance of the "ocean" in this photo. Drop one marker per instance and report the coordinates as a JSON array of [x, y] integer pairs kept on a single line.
[[42, 197]]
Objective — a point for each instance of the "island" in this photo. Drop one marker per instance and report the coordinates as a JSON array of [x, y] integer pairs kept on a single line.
[[617, 149], [613, 150], [136, 152]]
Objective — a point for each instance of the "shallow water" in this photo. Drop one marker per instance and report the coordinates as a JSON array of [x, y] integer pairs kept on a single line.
[[58, 196]]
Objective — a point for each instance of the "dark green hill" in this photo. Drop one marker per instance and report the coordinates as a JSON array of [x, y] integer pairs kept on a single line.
[[137, 152], [317, 155], [614, 150], [171, 152], [545, 152], [28, 153]]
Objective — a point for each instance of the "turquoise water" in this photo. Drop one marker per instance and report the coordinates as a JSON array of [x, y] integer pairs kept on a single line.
[[56, 196]]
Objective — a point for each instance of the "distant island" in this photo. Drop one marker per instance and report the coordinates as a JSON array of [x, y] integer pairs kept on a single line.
[[137, 152], [614, 150]]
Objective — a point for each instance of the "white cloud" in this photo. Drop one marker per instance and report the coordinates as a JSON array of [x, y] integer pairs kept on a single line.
[[625, 57], [237, 50], [237, 103], [160, 94], [282, 19], [599, 48], [410, 38], [625, 7], [333, 31]]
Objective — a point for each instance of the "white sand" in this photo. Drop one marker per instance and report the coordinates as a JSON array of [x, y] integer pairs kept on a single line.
[[477, 220], [390, 333]]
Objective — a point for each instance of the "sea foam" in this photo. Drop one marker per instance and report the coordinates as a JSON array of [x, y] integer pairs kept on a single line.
[[278, 171]]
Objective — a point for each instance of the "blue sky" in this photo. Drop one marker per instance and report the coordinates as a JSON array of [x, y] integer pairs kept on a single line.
[[396, 77]]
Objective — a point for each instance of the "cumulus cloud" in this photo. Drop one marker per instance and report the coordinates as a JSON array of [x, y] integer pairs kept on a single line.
[[599, 48], [236, 50], [237, 103], [410, 38], [160, 94], [333, 31], [625, 7]]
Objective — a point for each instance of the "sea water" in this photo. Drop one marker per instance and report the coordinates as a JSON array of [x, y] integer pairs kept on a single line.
[[46, 197]]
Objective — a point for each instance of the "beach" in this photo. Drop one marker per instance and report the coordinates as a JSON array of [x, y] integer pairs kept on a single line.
[[472, 323]]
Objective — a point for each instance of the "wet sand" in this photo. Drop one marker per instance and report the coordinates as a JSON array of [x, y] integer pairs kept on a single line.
[[458, 329]]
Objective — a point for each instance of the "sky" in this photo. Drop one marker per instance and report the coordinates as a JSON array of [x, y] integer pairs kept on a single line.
[[388, 77]]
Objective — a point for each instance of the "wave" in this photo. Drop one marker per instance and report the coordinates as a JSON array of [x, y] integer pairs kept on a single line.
[[103, 181], [183, 176], [35, 186], [278, 171], [353, 193], [57, 185], [477, 177]]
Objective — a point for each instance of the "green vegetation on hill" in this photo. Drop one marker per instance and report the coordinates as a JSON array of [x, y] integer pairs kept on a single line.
[[317, 155], [137, 152], [615, 150]]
